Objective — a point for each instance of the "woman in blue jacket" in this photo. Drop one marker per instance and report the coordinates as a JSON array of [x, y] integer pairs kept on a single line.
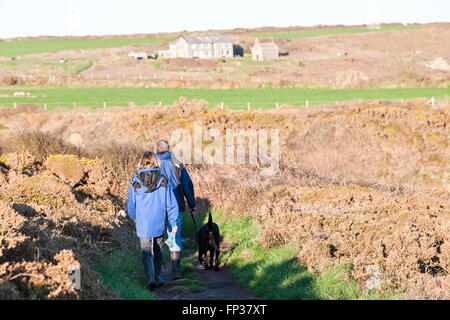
[[149, 200]]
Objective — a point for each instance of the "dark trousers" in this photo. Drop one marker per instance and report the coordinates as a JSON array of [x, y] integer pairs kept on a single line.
[[152, 257]]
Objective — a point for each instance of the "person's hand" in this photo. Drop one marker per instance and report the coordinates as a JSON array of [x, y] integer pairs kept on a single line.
[[174, 229]]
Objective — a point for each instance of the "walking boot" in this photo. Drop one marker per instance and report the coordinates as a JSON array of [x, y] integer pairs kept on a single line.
[[175, 258], [160, 282], [149, 271], [158, 259]]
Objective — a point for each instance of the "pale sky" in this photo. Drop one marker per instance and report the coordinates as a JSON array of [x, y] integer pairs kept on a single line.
[[111, 17]]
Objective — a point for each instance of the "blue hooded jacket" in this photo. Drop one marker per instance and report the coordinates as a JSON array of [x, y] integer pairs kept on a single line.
[[181, 184], [149, 200]]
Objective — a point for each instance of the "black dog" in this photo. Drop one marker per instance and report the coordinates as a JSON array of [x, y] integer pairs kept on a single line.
[[208, 239]]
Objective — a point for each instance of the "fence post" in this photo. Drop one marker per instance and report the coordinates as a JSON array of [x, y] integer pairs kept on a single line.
[[221, 105], [307, 103], [15, 105], [104, 105], [248, 106], [432, 102], [45, 106], [277, 105], [160, 104]]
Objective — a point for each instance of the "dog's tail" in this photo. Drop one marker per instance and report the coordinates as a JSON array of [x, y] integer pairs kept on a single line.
[[210, 222]]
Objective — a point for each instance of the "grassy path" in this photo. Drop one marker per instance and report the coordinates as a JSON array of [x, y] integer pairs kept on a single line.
[[123, 270], [247, 271], [212, 285]]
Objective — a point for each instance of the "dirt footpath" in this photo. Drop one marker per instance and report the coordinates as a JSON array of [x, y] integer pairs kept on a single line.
[[219, 285]]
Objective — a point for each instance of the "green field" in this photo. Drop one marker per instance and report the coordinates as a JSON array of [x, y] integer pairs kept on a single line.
[[16, 48], [232, 98], [38, 68], [325, 32]]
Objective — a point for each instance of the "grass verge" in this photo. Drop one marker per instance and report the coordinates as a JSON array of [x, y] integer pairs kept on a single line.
[[124, 272], [123, 269], [276, 274]]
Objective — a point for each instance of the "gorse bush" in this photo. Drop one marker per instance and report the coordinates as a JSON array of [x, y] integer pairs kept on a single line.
[[121, 159], [360, 186], [38, 143]]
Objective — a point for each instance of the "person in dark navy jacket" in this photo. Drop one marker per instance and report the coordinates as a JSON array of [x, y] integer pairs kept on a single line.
[[181, 184]]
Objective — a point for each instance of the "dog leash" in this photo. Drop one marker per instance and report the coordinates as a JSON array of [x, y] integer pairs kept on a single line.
[[195, 226]]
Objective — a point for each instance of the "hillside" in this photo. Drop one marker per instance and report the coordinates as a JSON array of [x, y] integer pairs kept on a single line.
[[359, 185], [321, 57]]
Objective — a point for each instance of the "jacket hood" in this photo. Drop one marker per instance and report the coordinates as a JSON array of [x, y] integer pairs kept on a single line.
[[151, 179]]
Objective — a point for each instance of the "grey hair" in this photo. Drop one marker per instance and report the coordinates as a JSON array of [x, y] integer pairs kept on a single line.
[[162, 146]]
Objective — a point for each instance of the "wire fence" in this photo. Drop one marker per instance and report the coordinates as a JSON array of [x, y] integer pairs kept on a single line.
[[106, 104], [222, 105]]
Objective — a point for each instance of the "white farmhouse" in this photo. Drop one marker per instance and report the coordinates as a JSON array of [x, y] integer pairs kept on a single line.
[[265, 51], [205, 47]]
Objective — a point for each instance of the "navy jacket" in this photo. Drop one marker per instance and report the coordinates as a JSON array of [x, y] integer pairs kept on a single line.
[[178, 180], [149, 199]]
